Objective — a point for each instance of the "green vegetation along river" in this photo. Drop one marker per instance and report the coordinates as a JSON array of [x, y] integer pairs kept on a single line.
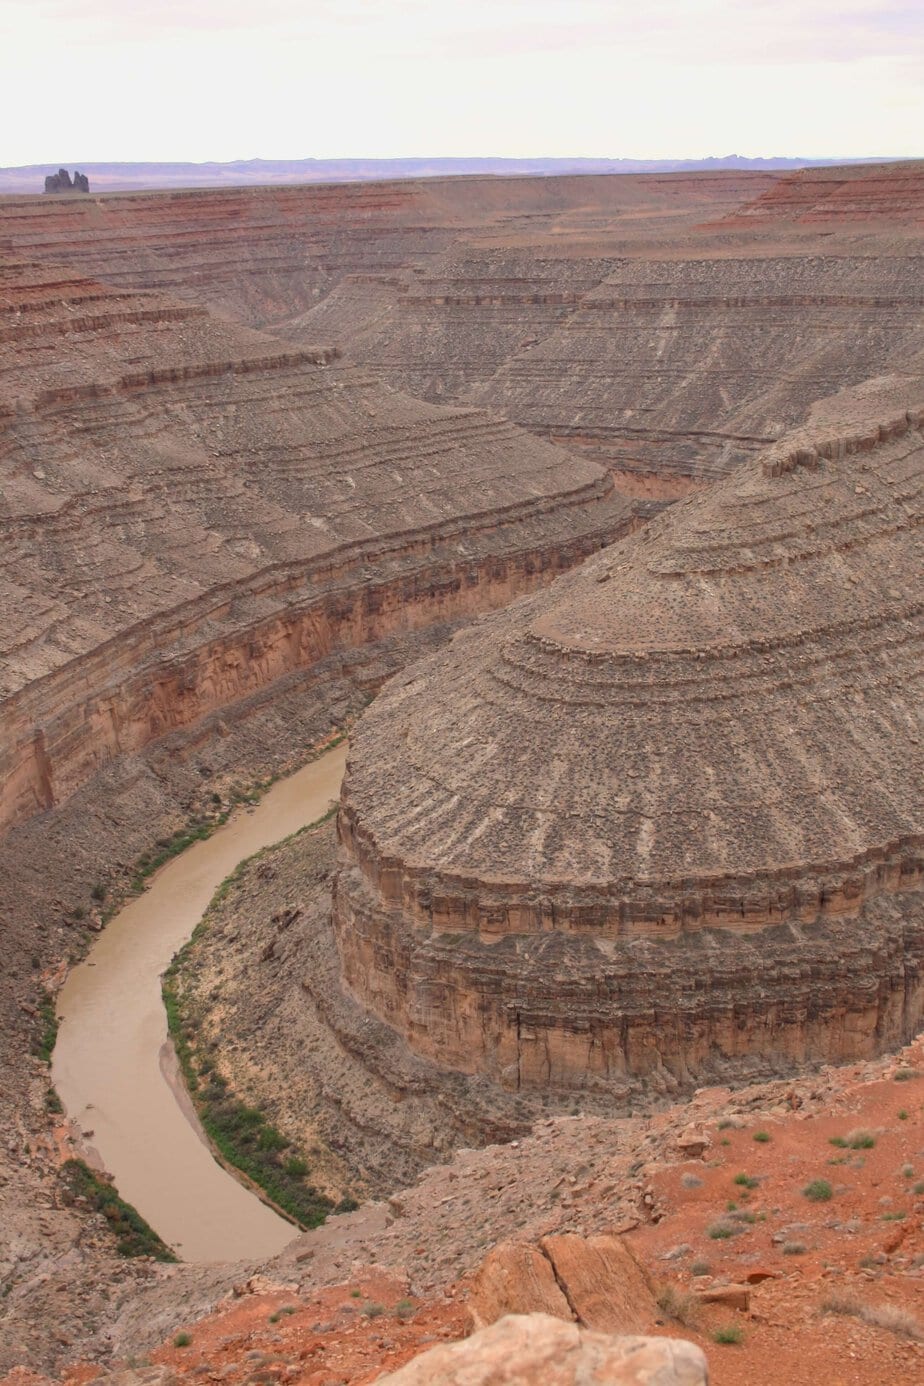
[[114, 1068]]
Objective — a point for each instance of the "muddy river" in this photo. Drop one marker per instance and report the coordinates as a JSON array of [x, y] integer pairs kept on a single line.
[[114, 1068]]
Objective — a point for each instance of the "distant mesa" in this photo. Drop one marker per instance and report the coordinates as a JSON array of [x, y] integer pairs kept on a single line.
[[61, 182]]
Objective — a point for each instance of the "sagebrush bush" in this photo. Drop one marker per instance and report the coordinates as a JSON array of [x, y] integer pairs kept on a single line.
[[818, 1191]]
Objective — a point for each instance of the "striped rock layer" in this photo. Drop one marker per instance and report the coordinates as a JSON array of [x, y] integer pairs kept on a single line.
[[191, 510], [664, 821]]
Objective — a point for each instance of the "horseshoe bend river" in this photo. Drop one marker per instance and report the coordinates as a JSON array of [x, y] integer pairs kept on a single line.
[[114, 1067]]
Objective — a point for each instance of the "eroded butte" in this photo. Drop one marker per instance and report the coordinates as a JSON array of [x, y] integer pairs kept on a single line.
[[663, 822]]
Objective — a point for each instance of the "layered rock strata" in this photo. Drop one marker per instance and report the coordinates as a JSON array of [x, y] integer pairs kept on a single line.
[[669, 370], [832, 197], [669, 326], [191, 510], [664, 821], [266, 254]]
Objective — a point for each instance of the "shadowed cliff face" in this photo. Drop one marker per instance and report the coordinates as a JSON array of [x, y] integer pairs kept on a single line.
[[574, 840]]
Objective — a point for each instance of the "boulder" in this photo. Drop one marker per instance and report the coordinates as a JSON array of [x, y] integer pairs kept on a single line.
[[693, 1143], [605, 1286], [732, 1296], [539, 1350], [515, 1279], [595, 1280]]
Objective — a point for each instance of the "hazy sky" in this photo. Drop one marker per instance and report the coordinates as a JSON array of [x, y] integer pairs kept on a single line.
[[133, 80]]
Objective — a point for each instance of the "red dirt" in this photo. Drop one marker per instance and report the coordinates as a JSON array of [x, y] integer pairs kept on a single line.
[[350, 1333], [866, 1243]]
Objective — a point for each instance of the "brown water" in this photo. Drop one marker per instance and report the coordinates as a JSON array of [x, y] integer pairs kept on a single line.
[[112, 1063]]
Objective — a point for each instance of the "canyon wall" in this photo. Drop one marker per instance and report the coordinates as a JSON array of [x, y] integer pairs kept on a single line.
[[665, 818], [669, 371], [191, 510], [668, 326], [834, 197], [262, 255]]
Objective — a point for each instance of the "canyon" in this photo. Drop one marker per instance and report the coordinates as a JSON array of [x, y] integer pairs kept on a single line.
[[653, 823], [235, 539]]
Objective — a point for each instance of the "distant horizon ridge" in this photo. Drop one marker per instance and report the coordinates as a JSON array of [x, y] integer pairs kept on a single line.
[[132, 176]]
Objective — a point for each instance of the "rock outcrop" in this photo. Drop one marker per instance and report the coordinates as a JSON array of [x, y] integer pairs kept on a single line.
[[536, 1350], [61, 182], [595, 1281], [663, 823]]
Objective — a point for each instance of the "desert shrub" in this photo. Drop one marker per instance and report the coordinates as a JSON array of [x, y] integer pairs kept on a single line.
[[700, 1268], [793, 1248], [48, 1032], [721, 1231], [762, 1137], [133, 1236], [182, 1340], [888, 1316], [728, 1333], [818, 1191], [684, 1308], [241, 1133], [746, 1181]]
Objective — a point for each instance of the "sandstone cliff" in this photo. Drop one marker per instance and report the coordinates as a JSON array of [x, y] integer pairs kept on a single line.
[[191, 511], [664, 821]]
